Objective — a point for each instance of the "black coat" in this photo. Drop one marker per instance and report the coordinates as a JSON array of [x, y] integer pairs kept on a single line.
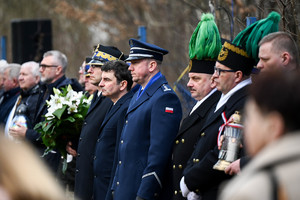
[[199, 174], [186, 139], [109, 137], [86, 146], [52, 159]]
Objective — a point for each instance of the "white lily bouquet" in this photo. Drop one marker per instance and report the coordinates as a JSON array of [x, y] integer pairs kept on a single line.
[[63, 121]]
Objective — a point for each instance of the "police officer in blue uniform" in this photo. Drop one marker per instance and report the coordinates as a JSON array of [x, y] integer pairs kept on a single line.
[[151, 125]]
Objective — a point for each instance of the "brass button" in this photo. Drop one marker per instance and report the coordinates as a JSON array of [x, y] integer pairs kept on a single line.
[[197, 190], [182, 140], [118, 183], [202, 134], [122, 141], [126, 121], [180, 166], [174, 166], [195, 160], [175, 192], [120, 162], [177, 142]]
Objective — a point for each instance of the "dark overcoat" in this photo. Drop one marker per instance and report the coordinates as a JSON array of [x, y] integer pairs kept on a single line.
[[199, 174], [189, 133], [86, 146], [109, 136], [145, 148]]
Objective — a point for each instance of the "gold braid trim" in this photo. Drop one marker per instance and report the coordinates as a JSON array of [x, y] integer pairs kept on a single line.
[[236, 49]]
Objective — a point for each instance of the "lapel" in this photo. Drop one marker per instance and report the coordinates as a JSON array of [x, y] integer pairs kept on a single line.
[[95, 101], [227, 106], [115, 108], [200, 113], [146, 95]]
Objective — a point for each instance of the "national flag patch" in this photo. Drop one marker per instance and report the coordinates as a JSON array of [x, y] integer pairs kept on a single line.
[[169, 110]]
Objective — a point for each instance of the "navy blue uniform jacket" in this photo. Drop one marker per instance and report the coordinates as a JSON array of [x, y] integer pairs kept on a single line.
[[86, 146], [145, 148], [109, 137], [199, 174]]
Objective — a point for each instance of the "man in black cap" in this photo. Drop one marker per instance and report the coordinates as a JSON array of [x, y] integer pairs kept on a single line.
[[100, 105], [151, 124], [232, 75]]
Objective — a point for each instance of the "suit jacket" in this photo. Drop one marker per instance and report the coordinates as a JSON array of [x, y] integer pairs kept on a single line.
[[86, 146], [109, 136], [186, 139], [145, 147], [199, 174]]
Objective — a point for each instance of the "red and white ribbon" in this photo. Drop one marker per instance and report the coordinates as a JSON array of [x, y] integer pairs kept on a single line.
[[226, 123]]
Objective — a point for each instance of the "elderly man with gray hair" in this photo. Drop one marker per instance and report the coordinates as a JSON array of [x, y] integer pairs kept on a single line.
[[28, 80], [52, 68], [11, 90]]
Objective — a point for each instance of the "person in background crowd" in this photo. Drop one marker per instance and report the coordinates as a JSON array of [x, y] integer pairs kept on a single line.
[[84, 176], [272, 135], [11, 91], [151, 125], [278, 50], [3, 65], [115, 84], [52, 68], [28, 80], [205, 45], [88, 86], [23, 175]]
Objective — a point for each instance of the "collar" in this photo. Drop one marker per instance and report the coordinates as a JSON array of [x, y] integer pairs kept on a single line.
[[224, 98], [202, 100]]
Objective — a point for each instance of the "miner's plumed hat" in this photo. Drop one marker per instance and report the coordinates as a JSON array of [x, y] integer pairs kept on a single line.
[[242, 53], [142, 50], [103, 54], [205, 45]]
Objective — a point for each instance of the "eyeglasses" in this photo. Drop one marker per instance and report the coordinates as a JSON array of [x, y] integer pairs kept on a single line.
[[43, 66], [218, 70]]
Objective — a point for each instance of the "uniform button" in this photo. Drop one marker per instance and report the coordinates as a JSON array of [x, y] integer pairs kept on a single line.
[[77, 170], [126, 121], [197, 160], [155, 194], [175, 192], [120, 162], [174, 166], [98, 140], [122, 141], [80, 139], [197, 190], [95, 176], [84, 123], [78, 155], [94, 157], [202, 134], [182, 140], [118, 183], [177, 142], [180, 166]]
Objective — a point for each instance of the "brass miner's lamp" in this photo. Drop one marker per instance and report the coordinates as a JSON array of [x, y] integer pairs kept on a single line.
[[231, 144]]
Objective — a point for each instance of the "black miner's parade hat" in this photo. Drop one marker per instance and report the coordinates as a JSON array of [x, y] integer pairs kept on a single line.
[[242, 53]]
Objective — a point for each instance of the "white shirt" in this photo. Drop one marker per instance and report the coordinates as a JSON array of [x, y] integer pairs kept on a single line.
[[224, 98], [202, 100]]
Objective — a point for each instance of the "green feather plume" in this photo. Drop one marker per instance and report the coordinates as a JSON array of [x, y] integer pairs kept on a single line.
[[250, 37], [205, 42]]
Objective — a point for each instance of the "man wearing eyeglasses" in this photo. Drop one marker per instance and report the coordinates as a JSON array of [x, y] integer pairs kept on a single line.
[[231, 76], [52, 68]]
